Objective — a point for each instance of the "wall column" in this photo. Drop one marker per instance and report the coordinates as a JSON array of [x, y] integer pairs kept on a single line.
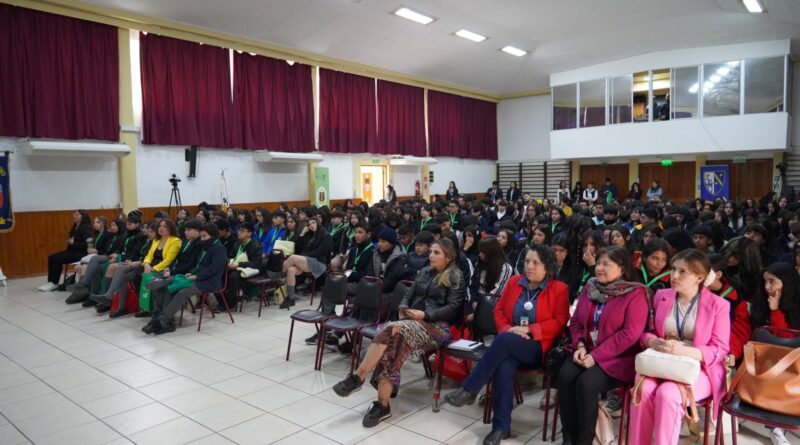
[[129, 135], [575, 166], [633, 173], [699, 161]]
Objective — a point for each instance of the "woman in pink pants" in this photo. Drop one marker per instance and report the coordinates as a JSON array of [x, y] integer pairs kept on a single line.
[[692, 322]]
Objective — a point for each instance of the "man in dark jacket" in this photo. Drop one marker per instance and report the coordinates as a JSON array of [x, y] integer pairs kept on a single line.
[[245, 246], [494, 192], [207, 277]]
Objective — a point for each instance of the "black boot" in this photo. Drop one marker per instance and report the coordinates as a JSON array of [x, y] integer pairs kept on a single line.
[[460, 397], [102, 308], [495, 437], [121, 312], [79, 295]]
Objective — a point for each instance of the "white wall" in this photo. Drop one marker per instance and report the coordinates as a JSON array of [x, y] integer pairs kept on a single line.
[[766, 131], [61, 182], [403, 178], [524, 129], [471, 176]]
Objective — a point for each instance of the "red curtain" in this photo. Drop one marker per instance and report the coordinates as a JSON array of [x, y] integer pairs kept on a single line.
[[347, 118], [461, 127], [186, 93], [59, 77], [401, 119], [274, 104]]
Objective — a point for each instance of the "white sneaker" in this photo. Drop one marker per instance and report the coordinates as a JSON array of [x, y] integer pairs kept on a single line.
[[778, 438], [49, 287]]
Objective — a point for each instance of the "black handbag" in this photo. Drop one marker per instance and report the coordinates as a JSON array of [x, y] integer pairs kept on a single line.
[[556, 357]]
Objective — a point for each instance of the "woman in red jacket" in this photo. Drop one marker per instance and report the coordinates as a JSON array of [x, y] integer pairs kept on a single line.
[[531, 315]]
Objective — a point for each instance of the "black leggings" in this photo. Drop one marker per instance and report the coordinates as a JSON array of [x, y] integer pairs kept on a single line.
[[56, 262], [579, 391]]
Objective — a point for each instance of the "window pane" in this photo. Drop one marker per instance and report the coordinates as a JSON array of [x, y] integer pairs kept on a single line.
[[565, 104], [684, 90], [763, 85], [593, 103], [661, 87], [621, 99], [641, 91], [721, 89]]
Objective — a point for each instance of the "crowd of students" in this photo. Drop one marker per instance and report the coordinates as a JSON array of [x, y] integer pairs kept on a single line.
[[723, 268]]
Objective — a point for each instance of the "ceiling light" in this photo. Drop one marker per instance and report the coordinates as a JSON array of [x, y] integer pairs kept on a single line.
[[693, 89], [708, 85], [734, 63], [290, 62], [469, 35], [714, 78], [414, 16], [753, 6], [723, 71], [514, 51]]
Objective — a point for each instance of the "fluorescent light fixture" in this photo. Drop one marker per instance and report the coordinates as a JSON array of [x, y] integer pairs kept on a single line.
[[64, 148], [693, 89], [708, 85], [514, 51], [733, 63], [753, 6], [414, 16], [723, 71], [714, 78], [469, 35], [282, 157], [412, 160]]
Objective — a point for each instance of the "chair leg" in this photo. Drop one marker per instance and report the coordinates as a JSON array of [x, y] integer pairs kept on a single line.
[[227, 308], [625, 416], [437, 389], [353, 351], [313, 287], [555, 419], [291, 332], [517, 390], [733, 429], [487, 405], [426, 365], [180, 320], [320, 348], [203, 303], [546, 406], [707, 424]]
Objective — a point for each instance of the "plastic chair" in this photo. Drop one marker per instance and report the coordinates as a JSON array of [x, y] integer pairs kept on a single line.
[[271, 278], [220, 294], [736, 407], [369, 297], [335, 291]]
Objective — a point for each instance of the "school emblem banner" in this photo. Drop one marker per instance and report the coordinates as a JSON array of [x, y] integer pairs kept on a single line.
[[6, 213], [714, 182]]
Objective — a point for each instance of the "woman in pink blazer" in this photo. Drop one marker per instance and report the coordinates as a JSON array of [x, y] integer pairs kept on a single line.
[[692, 322]]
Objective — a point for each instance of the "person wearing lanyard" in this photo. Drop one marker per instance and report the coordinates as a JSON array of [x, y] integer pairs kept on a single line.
[[425, 217], [690, 321], [278, 231], [609, 319], [654, 270], [741, 329], [531, 315], [207, 277], [245, 246]]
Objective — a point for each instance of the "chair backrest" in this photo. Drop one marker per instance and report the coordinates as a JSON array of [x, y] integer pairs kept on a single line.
[[369, 295], [275, 261], [335, 289], [483, 320], [392, 302], [777, 336]]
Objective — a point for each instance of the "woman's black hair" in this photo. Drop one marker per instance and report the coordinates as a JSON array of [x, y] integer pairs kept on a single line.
[[790, 297], [746, 275], [629, 245], [655, 245], [548, 235], [86, 220], [546, 256], [495, 259], [512, 242]]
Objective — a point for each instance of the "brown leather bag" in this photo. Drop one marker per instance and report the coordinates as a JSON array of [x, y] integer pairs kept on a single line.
[[769, 378]]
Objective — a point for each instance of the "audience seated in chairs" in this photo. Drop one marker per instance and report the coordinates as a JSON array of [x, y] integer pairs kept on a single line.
[[246, 254], [207, 276], [313, 259], [419, 257], [77, 242], [531, 315], [433, 303]]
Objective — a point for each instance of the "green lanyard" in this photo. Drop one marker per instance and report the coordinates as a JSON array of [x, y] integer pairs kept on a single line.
[[113, 240], [274, 236], [423, 222], [261, 233], [358, 254], [186, 246], [241, 249], [553, 228], [290, 237], [453, 221], [351, 235], [408, 247], [727, 291], [648, 282], [586, 276], [203, 255], [335, 229], [97, 240]]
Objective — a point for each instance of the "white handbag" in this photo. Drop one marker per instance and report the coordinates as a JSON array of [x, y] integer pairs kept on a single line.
[[677, 368], [287, 247]]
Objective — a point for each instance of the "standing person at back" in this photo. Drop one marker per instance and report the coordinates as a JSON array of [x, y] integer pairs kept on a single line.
[[609, 189], [654, 193], [494, 192], [590, 194]]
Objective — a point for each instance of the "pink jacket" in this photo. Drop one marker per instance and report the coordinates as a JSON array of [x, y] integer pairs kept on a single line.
[[711, 336]]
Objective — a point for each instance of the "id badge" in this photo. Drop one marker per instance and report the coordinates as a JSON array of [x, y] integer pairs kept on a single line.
[[348, 272], [593, 334], [523, 321]]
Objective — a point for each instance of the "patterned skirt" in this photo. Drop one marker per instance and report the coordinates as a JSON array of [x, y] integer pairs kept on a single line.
[[411, 337]]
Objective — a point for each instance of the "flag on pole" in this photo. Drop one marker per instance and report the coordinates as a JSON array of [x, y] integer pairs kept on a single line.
[[223, 191]]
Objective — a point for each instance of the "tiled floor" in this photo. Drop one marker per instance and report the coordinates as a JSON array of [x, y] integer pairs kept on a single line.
[[70, 376]]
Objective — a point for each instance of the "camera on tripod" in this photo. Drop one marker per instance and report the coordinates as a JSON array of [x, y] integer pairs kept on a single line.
[[174, 180]]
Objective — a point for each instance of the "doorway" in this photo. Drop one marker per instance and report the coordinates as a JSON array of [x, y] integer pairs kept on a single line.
[[373, 183]]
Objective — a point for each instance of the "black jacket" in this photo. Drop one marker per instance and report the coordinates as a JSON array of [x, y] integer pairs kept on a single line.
[[80, 234], [317, 247], [392, 271], [363, 252], [339, 239], [253, 250], [416, 262], [210, 267], [494, 194], [439, 303], [186, 260], [513, 194], [132, 246], [102, 242]]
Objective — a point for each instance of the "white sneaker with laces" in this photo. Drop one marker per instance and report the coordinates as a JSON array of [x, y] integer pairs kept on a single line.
[[49, 287], [778, 438]]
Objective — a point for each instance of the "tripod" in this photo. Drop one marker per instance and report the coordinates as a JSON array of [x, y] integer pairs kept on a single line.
[[175, 196]]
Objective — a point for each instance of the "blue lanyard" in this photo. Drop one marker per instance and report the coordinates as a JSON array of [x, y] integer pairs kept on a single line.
[[598, 311], [678, 324]]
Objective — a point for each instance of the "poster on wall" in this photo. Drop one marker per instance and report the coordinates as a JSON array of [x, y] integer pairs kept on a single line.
[[714, 182], [321, 186], [6, 213]]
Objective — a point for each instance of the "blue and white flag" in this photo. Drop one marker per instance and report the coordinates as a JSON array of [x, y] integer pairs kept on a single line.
[[715, 182]]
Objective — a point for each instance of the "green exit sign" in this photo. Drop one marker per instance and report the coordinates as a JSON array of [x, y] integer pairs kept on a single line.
[[666, 162], [739, 159]]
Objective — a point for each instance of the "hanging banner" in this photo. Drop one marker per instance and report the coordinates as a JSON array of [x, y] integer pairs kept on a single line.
[[715, 182], [321, 187], [6, 213]]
